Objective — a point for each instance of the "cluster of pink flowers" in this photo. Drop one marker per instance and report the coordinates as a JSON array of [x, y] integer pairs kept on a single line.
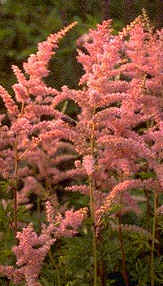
[[66, 225], [29, 257], [120, 91]]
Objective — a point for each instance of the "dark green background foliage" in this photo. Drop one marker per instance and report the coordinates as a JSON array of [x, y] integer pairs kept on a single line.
[[25, 23]]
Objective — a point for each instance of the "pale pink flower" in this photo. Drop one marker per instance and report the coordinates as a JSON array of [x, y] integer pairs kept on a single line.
[[77, 164], [89, 164], [20, 92]]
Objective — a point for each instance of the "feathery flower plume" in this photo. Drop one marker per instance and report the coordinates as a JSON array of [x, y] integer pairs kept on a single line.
[[88, 164]]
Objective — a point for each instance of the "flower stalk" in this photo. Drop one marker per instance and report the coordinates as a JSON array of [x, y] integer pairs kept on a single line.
[[153, 240], [16, 159], [92, 205], [124, 271]]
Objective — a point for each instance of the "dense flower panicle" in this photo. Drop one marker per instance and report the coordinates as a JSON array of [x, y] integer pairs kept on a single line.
[[159, 172], [135, 107], [35, 141], [50, 212], [29, 258], [127, 147], [26, 123], [59, 98], [89, 164], [121, 187], [78, 96], [36, 65], [28, 255], [83, 189], [21, 126], [34, 111], [99, 63], [124, 165], [15, 275], [7, 270], [11, 107], [68, 226], [20, 92], [64, 225], [20, 76], [95, 47]]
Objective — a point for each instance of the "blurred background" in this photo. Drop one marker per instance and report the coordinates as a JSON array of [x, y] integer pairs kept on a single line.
[[24, 23]]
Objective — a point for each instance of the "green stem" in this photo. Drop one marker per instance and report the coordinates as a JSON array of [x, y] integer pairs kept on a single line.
[[124, 271], [157, 232], [15, 187], [153, 241], [65, 106], [148, 209], [39, 212], [94, 244], [92, 206], [55, 266]]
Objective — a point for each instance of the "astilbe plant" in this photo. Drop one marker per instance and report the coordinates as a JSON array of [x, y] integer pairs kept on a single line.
[[119, 130], [117, 135], [30, 139], [30, 145]]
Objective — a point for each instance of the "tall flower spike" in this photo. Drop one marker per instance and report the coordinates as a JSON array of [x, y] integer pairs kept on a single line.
[[36, 65], [11, 107]]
